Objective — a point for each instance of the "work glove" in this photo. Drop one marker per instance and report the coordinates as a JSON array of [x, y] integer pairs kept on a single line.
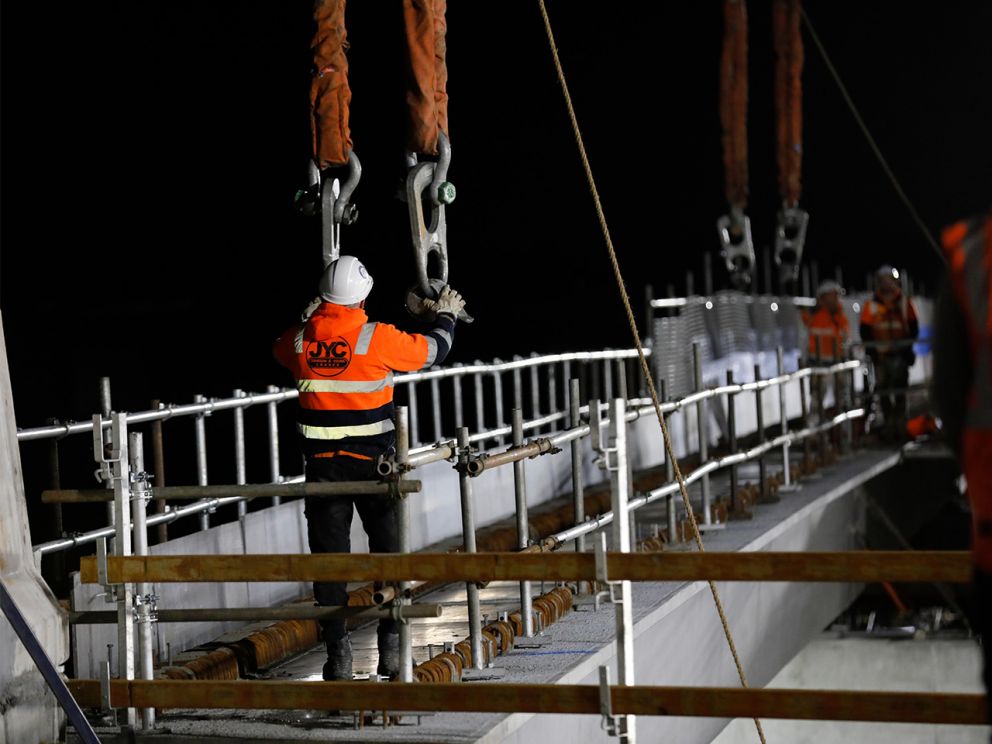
[[448, 301], [309, 309]]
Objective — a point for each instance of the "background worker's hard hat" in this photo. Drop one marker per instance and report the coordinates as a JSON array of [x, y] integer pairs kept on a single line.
[[345, 281], [829, 286], [887, 270]]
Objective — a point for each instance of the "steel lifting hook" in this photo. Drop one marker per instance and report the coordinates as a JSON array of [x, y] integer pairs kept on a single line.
[[335, 204], [736, 246], [790, 236], [336, 208], [430, 240]]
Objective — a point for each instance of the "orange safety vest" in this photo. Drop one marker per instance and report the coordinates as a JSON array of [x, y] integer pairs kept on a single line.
[[343, 367], [969, 250], [889, 321], [828, 334]]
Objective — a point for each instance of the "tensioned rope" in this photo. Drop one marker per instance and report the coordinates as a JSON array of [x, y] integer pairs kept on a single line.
[[871, 140], [697, 537]]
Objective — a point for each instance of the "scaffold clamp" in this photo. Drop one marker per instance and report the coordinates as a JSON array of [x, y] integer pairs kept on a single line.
[[396, 609], [150, 601], [139, 486]]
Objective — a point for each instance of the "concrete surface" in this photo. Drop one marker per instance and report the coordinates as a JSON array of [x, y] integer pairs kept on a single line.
[[831, 663], [28, 710]]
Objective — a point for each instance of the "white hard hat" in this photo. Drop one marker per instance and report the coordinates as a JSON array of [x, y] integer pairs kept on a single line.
[[345, 281], [829, 286]]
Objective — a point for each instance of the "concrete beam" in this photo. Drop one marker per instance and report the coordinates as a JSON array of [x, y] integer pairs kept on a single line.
[[28, 712]]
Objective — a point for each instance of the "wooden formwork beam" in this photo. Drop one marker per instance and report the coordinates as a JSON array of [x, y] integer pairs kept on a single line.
[[718, 702], [854, 566]]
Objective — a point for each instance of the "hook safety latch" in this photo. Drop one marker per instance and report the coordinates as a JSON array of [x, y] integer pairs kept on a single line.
[[790, 236], [736, 246]]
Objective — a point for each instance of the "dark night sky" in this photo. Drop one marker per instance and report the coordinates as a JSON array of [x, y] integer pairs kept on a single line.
[[151, 151]]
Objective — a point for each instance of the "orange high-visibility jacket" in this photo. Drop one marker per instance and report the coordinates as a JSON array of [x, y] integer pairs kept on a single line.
[[828, 334], [895, 320], [969, 249], [344, 367]]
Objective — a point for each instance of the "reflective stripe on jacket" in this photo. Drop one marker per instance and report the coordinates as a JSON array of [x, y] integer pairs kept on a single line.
[[343, 366]]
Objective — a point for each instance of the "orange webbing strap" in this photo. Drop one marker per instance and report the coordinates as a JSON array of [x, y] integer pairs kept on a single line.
[[733, 101], [342, 453], [329, 91], [788, 97], [426, 95]]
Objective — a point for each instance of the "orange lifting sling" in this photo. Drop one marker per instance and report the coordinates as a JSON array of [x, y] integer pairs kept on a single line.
[[426, 94], [734, 228], [790, 233]]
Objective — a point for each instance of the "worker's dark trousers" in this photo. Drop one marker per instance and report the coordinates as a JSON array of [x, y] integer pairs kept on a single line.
[[892, 372], [329, 528]]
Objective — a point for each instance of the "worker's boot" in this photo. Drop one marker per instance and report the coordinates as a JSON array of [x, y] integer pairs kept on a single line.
[[389, 655], [338, 664]]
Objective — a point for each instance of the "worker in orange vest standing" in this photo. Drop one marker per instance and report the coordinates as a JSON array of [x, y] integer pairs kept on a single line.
[[343, 366], [962, 388], [827, 325], [889, 325]]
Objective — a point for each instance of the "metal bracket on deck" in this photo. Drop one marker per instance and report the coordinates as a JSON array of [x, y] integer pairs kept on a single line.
[[608, 461], [596, 434], [103, 454], [601, 573], [105, 703], [610, 722], [109, 590]]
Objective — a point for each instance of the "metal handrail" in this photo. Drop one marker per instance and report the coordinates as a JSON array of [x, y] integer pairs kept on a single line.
[[671, 302], [58, 431], [497, 367], [444, 450]]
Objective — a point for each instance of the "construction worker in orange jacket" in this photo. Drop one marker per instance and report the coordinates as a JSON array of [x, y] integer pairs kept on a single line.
[[827, 325], [343, 366], [889, 326], [962, 390]]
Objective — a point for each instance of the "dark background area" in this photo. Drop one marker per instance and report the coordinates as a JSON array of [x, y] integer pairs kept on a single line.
[[151, 152]]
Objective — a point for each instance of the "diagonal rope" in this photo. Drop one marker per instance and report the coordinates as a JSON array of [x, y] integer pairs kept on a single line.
[[697, 537], [871, 140]]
